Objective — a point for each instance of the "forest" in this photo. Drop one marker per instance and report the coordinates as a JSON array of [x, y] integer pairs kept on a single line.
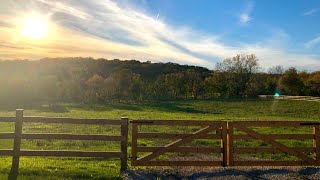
[[88, 80]]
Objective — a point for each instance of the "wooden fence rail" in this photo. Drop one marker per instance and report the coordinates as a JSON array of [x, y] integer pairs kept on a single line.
[[17, 136], [225, 132]]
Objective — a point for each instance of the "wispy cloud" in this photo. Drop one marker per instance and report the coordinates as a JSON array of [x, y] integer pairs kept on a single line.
[[245, 16], [107, 29], [312, 43], [310, 12]]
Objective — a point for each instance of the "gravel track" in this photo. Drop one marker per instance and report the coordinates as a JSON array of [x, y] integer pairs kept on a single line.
[[256, 173]]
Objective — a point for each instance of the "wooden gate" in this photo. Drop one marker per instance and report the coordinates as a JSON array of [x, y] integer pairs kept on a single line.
[[207, 130], [274, 143]]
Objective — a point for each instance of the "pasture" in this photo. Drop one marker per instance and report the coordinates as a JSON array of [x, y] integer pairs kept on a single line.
[[91, 168]]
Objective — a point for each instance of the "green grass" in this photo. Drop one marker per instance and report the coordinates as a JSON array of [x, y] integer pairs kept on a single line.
[[90, 168]]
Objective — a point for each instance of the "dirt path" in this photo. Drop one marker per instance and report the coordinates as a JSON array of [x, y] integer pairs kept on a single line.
[[256, 173]]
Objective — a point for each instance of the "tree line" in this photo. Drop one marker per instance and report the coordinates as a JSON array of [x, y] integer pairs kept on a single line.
[[88, 80]]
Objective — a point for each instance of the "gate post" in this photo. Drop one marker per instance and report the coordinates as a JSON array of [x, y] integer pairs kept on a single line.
[[124, 143], [230, 144], [224, 144], [16, 145], [316, 142]]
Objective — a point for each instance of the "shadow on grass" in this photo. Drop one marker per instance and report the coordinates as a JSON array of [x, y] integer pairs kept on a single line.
[[107, 107], [256, 174]]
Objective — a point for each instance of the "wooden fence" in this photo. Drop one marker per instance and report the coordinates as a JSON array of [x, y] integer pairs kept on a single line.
[[17, 135], [228, 133]]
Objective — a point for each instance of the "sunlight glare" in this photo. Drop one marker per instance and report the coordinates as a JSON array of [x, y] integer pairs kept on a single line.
[[35, 28]]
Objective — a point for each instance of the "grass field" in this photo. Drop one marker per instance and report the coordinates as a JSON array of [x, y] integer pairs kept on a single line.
[[90, 168]]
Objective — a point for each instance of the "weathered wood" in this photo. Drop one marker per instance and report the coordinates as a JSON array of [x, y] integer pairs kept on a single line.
[[224, 143], [175, 136], [134, 143], [16, 145], [72, 120], [270, 123], [176, 122], [316, 142], [249, 150], [276, 144], [6, 135], [204, 150], [8, 119], [72, 153], [124, 143], [271, 163], [276, 136], [6, 152], [230, 144], [177, 163], [178, 143], [73, 137]]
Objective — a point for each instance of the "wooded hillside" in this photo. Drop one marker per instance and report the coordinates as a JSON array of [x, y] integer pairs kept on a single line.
[[97, 81]]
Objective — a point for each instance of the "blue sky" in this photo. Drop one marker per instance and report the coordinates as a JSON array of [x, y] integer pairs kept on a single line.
[[183, 31]]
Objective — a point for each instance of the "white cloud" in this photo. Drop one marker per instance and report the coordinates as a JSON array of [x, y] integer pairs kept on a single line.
[[245, 16], [107, 29], [310, 12], [312, 43]]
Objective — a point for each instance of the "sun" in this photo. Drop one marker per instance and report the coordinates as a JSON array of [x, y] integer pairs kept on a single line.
[[35, 28]]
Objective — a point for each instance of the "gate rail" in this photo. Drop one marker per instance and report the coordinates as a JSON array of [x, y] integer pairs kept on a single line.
[[225, 132]]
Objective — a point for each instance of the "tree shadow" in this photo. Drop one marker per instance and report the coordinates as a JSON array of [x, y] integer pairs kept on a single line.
[[107, 107]]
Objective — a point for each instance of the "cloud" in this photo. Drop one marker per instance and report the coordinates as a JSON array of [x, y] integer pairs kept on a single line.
[[312, 43], [107, 29], [245, 17], [310, 12]]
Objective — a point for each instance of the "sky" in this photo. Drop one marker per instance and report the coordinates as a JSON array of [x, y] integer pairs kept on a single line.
[[189, 32]]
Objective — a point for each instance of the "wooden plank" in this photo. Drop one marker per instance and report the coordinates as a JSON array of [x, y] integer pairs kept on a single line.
[[177, 122], [16, 145], [271, 123], [224, 145], [204, 150], [276, 136], [177, 143], [276, 144], [240, 150], [175, 136], [177, 163], [134, 143], [271, 163], [316, 142], [71, 120], [6, 135], [71, 153], [8, 119], [6, 152], [230, 144], [124, 143], [73, 137]]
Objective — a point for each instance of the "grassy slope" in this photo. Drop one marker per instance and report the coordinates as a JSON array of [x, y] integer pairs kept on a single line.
[[71, 168]]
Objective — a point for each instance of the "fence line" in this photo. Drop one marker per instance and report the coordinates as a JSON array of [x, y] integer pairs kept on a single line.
[[227, 132], [19, 120]]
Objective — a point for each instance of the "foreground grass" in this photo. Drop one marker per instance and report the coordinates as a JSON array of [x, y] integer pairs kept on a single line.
[[88, 168]]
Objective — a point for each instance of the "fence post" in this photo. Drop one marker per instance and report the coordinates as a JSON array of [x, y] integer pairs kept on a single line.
[[224, 144], [316, 142], [124, 143], [16, 145], [134, 143], [230, 144]]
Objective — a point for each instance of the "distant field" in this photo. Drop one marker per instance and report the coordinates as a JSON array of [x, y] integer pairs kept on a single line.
[[89, 168]]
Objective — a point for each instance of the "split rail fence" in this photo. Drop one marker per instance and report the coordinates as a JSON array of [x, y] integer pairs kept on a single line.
[[216, 139], [17, 136]]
